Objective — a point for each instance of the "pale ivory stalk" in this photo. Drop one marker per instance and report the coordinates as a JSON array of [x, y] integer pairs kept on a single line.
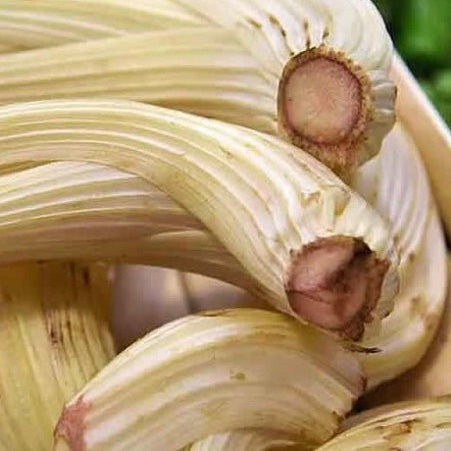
[[427, 379], [54, 337], [396, 184], [215, 371], [262, 199], [430, 133], [396, 178], [415, 425], [246, 440], [31, 24], [246, 68]]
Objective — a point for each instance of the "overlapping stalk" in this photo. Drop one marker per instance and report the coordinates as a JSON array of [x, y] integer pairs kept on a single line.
[[54, 337], [126, 209], [413, 425], [275, 209], [110, 212], [430, 377], [289, 67], [215, 371], [429, 131], [404, 336], [25, 24], [114, 53], [396, 184], [416, 425]]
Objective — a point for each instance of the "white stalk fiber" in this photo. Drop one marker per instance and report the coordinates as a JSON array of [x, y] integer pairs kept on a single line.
[[232, 61], [261, 198], [415, 425], [215, 371], [54, 337], [396, 184]]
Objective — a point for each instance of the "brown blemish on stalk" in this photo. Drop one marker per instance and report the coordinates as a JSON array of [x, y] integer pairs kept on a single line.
[[275, 22], [223, 313], [397, 430], [86, 276], [71, 426], [254, 23], [353, 347], [335, 283], [238, 376], [307, 34], [324, 106], [55, 339], [444, 425], [411, 257]]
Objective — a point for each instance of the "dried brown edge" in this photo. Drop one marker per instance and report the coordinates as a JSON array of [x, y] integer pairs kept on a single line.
[[355, 327], [341, 156]]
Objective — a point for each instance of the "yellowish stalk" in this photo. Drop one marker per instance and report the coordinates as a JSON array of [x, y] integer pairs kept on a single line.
[[289, 66], [31, 24], [412, 425], [275, 209], [246, 440], [396, 185], [430, 377], [215, 371], [403, 197], [54, 337]]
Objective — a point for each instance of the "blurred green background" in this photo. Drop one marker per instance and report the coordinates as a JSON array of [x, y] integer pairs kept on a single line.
[[421, 30]]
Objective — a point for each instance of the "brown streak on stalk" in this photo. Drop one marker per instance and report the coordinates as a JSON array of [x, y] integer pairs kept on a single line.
[[324, 106], [71, 425], [54, 339], [444, 425], [335, 283], [308, 42], [397, 431], [215, 313], [274, 21], [353, 347], [86, 276], [254, 23]]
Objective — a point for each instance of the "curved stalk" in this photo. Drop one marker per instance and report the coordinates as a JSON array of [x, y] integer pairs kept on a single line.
[[290, 67], [46, 23], [427, 379], [432, 135], [217, 370], [395, 183], [276, 210], [54, 337], [412, 425], [397, 186]]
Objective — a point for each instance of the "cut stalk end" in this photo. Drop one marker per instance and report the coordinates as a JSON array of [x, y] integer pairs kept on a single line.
[[335, 283], [69, 432], [324, 106]]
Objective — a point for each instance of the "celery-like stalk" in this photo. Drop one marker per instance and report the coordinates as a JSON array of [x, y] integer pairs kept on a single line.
[[275, 209], [54, 337], [215, 371], [289, 66]]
